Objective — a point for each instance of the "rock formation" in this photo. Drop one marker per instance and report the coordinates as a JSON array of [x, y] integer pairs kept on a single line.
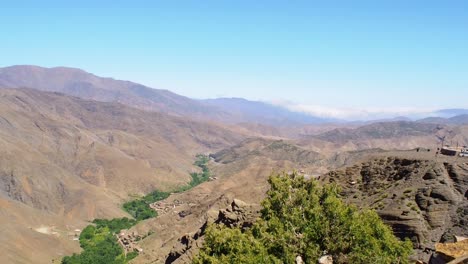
[[423, 200], [456, 252], [237, 214]]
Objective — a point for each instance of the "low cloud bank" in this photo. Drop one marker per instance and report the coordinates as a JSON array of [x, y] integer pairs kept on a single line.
[[354, 114]]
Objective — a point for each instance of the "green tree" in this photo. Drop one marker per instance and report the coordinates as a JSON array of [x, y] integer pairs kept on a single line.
[[299, 217], [100, 245]]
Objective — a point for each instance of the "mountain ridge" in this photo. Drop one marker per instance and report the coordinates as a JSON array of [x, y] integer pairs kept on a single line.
[[66, 160], [80, 83], [77, 82]]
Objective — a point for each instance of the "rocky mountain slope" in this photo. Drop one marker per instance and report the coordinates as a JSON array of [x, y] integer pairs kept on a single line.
[[388, 135], [241, 173], [263, 113], [421, 197], [380, 131], [64, 160], [76, 82], [456, 120]]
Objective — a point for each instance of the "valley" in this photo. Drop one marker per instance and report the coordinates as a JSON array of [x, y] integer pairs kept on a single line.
[[243, 132], [79, 170]]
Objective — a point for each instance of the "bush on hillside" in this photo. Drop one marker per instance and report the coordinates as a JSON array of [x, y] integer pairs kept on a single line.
[[301, 218]]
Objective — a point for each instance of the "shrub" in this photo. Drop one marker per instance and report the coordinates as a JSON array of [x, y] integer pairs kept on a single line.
[[116, 224], [301, 218], [99, 247]]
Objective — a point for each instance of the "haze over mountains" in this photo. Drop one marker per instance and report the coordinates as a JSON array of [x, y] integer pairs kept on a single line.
[[76, 82], [79, 83]]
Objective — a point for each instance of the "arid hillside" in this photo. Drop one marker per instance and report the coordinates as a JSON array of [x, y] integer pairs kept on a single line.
[[401, 135], [65, 160], [421, 197], [241, 173], [77, 82]]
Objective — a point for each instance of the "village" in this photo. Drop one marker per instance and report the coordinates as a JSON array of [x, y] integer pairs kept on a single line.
[[454, 151], [128, 241]]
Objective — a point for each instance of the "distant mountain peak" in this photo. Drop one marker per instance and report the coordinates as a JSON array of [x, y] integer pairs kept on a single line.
[[77, 82]]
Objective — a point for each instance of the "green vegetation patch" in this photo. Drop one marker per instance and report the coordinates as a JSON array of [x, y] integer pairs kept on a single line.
[[301, 218], [116, 224], [200, 177], [140, 208], [99, 244], [98, 241]]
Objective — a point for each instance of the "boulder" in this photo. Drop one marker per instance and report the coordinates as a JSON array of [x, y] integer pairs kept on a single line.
[[325, 259], [238, 205], [449, 252], [299, 260]]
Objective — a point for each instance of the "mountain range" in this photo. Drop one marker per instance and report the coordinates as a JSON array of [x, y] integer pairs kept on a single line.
[[75, 147], [79, 83]]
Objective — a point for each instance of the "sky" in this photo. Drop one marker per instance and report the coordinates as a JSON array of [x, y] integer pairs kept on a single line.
[[335, 57]]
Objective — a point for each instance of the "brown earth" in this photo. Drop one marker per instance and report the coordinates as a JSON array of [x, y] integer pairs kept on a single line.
[[77, 82], [73, 160], [379, 179], [401, 135], [242, 173], [65, 160]]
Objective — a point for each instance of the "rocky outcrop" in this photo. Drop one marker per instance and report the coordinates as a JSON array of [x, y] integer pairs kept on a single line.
[[237, 214], [450, 253], [423, 200]]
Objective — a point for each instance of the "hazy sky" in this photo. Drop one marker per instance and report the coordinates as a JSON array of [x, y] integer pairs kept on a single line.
[[377, 55]]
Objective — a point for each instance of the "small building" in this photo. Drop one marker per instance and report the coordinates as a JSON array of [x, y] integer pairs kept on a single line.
[[447, 151], [454, 151]]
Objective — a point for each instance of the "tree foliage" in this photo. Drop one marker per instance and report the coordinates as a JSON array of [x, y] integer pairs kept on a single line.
[[99, 244], [116, 224], [301, 218]]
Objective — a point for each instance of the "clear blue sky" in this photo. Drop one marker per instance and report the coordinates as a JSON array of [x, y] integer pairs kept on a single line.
[[367, 54]]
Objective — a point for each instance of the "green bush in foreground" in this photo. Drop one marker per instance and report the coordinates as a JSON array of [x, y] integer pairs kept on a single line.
[[301, 218]]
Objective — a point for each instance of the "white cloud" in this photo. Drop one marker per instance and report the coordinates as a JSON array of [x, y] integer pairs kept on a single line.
[[348, 113]]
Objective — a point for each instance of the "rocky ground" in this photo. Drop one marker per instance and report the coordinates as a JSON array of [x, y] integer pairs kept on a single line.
[[421, 198]]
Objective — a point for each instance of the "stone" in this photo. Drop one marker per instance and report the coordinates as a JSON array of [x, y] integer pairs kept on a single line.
[[325, 259], [238, 205], [240, 214], [453, 250]]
